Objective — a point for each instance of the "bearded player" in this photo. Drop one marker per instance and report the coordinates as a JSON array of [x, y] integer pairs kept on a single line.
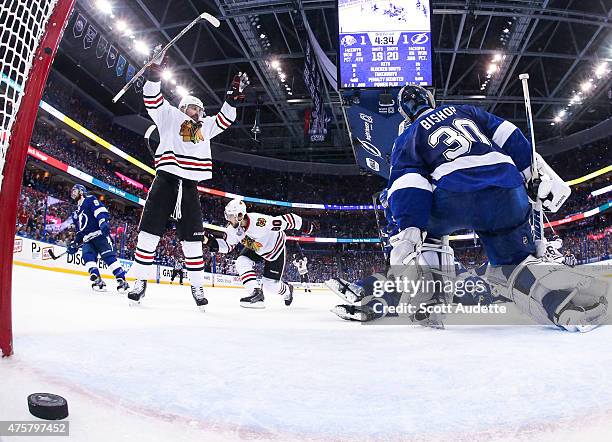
[[182, 159]]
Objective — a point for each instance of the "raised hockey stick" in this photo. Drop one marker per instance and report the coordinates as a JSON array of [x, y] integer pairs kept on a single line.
[[204, 16], [537, 221]]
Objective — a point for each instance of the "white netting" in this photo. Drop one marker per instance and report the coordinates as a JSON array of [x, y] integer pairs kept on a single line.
[[22, 25]]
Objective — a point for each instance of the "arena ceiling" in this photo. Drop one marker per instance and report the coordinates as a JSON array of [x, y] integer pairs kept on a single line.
[[560, 43]]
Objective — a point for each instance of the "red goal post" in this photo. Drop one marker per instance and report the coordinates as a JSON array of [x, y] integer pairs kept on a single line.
[[30, 32]]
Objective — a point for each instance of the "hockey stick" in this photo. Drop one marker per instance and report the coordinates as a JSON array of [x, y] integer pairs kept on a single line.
[[537, 222], [204, 16], [54, 256]]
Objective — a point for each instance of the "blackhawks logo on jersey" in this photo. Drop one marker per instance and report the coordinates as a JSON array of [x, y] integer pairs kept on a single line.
[[260, 222], [250, 243]]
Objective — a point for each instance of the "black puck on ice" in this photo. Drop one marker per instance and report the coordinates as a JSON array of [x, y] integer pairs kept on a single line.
[[48, 406]]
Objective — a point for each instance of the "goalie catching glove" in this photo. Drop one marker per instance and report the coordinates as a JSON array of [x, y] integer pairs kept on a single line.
[[190, 131], [236, 91]]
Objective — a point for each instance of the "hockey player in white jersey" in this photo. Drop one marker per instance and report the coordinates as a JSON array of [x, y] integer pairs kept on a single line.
[[301, 264], [458, 167], [263, 238], [182, 159]]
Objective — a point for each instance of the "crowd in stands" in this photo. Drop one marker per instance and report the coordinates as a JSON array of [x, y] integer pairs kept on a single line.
[[587, 239]]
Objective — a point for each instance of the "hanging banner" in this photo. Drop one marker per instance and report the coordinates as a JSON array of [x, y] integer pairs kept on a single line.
[[374, 123], [314, 84], [90, 36]]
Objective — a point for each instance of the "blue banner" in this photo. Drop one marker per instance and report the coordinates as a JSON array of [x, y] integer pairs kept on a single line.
[[374, 123]]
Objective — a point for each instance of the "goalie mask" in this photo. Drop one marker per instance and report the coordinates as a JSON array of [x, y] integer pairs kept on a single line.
[[189, 102], [235, 211], [413, 100]]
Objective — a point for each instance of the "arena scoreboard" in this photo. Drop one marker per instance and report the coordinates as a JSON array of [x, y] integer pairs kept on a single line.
[[384, 43]]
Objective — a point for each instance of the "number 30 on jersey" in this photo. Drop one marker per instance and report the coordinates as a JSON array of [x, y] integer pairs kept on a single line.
[[459, 138]]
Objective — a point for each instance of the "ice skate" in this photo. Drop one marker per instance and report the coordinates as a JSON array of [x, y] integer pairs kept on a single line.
[[199, 297], [288, 296], [97, 284], [138, 291], [122, 286], [255, 300]]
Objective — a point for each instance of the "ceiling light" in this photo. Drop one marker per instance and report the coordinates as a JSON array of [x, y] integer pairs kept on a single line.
[[497, 58], [121, 25], [262, 36], [506, 30], [275, 64], [562, 113], [557, 119], [167, 74], [141, 47], [601, 69], [173, 81], [182, 91], [586, 86], [104, 6]]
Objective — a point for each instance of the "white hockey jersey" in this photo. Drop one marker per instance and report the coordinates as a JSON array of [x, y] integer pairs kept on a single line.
[[301, 265], [184, 159], [264, 234]]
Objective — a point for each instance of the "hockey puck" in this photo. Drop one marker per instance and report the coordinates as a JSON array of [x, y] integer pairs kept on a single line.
[[48, 406]]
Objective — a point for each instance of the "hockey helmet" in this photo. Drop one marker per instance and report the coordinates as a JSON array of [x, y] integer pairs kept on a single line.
[[188, 100], [77, 190], [413, 99], [235, 210]]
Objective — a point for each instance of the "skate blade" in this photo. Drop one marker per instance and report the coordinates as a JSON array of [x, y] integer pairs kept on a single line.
[[288, 302], [134, 303], [201, 308], [99, 290], [257, 305]]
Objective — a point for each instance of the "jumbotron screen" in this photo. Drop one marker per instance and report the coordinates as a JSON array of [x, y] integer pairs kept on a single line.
[[384, 43]]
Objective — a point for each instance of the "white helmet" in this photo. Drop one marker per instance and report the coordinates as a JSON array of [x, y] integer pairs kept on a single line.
[[235, 207], [190, 99]]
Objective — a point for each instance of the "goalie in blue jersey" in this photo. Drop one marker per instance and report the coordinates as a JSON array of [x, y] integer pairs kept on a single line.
[[91, 220], [458, 167]]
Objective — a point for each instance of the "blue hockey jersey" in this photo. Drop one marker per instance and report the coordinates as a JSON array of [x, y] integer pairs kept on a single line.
[[89, 217], [457, 148]]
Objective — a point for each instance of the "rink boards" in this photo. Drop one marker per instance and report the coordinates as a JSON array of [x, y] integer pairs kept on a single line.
[[35, 254]]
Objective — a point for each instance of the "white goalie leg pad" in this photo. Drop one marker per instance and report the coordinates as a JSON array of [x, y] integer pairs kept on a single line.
[[434, 268], [551, 293]]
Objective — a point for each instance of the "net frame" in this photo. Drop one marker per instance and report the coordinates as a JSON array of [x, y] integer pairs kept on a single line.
[[30, 32]]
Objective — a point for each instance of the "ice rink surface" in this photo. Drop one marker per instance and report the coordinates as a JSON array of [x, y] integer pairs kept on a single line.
[[166, 372]]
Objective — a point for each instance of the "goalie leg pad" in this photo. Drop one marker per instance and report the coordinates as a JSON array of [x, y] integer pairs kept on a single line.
[[551, 293]]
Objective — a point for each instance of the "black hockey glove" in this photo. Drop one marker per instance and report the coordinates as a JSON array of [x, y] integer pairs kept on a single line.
[[236, 90], [309, 226]]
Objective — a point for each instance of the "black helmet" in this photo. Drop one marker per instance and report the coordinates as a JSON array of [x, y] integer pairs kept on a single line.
[[413, 99]]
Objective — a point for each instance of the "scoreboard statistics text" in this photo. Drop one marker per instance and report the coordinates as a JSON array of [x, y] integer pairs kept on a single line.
[[384, 43]]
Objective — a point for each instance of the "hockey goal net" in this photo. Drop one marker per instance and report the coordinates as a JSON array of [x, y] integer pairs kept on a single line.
[[30, 31]]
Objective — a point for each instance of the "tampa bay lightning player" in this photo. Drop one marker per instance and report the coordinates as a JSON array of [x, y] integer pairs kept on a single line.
[[459, 167], [91, 220]]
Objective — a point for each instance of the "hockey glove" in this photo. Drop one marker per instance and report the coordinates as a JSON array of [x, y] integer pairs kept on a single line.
[[160, 60], [190, 131], [73, 247], [105, 228], [406, 246], [309, 226], [549, 188], [239, 83]]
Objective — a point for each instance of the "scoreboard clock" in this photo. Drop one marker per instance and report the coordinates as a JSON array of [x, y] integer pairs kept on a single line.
[[384, 43]]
